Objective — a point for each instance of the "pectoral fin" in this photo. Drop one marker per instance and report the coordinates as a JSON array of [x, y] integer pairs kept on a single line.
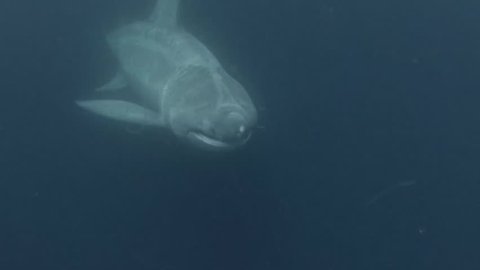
[[122, 111], [116, 83]]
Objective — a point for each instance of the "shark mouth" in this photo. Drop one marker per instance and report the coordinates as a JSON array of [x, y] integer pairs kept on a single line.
[[210, 141], [215, 143]]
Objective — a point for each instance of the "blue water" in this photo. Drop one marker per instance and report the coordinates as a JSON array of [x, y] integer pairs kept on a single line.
[[367, 155]]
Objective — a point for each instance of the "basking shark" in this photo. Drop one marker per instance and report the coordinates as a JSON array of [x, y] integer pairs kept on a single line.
[[177, 84]]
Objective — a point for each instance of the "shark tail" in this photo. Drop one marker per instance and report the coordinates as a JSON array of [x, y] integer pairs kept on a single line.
[[165, 13]]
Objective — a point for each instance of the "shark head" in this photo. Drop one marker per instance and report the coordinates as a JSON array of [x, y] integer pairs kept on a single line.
[[226, 128], [209, 109]]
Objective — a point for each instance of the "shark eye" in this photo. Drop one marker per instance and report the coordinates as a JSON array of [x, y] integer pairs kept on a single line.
[[243, 133]]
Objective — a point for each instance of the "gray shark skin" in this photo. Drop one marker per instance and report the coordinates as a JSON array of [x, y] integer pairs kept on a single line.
[[180, 84]]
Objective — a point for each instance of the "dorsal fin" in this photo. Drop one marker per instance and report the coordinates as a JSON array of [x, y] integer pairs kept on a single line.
[[165, 13]]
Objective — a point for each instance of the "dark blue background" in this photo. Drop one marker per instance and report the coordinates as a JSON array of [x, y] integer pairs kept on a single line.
[[355, 98]]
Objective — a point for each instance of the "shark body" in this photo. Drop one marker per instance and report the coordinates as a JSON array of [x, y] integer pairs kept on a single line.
[[180, 84]]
